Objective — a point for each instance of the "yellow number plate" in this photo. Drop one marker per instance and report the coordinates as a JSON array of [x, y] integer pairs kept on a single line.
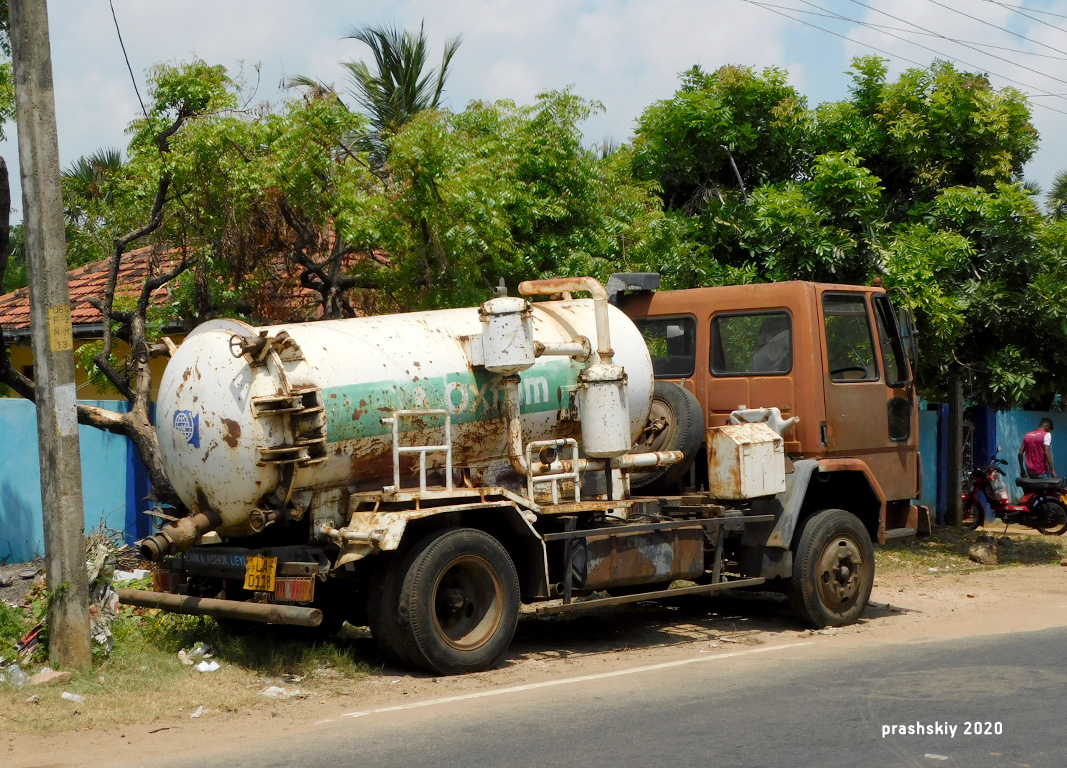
[[259, 573]]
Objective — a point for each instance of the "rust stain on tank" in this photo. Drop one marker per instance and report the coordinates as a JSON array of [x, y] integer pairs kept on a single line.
[[356, 414], [233, 432]]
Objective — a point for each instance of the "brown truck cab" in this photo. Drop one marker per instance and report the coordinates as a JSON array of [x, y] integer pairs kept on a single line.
[[837, 357]]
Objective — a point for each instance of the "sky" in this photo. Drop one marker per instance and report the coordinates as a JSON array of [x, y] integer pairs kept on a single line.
[[624, 54]]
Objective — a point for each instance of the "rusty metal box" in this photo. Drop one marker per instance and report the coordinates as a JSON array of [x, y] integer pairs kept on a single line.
[[745, 461]]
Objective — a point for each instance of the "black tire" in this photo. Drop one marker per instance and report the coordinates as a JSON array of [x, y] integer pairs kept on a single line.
[[383, 612], [459, 602], [684, 431], [833, 570], [973, 515], [1052, 517]]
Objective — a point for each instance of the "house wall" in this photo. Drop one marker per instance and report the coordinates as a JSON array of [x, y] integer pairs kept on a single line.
[[114, 481], [21, 355]]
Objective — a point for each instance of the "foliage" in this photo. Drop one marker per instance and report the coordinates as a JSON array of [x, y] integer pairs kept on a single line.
[[399, 86], [503, 191], [14, 623], [976, 266], [1057, 197], [932, 129], [690, 143]]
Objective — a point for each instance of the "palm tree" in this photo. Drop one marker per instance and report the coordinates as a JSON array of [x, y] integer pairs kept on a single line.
[[1057, 197], [399, 86], [87, 181]]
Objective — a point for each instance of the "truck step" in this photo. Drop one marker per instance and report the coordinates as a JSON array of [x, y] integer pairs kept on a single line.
[[892, 534]]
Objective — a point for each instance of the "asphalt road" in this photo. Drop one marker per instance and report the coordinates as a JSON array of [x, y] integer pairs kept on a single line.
[[801, 705]]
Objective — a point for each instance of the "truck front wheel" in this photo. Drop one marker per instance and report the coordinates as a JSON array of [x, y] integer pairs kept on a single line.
[[459, 601], [833, 569]]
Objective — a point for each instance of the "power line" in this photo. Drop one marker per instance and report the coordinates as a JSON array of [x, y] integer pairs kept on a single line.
[[829, 31], [903, 58], [938, 34], [837, 16], [123, 46], [995, 26], [1033, 10]]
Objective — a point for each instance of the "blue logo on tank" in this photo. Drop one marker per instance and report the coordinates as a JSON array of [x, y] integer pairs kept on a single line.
[[188, 425]]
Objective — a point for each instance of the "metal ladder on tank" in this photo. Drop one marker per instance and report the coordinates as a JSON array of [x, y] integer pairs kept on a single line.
[[398, 449]]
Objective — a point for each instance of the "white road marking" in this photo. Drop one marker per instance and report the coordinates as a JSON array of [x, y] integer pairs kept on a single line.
[[568, 681]]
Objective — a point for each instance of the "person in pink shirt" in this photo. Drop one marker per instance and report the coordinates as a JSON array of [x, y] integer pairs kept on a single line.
[[1035, 454]]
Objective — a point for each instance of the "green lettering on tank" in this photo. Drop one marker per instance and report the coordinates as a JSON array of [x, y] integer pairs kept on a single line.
[[355, 411]]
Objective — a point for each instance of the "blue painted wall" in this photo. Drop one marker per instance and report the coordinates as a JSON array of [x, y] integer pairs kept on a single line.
[[928, 448], [114, 481]]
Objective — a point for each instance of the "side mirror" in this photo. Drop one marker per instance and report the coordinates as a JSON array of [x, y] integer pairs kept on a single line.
[[906, 324]]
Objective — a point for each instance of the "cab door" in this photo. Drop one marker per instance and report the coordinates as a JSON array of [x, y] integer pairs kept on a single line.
[[867, 394]]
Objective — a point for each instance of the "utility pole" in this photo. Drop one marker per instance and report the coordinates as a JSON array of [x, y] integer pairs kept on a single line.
[[53, 339]]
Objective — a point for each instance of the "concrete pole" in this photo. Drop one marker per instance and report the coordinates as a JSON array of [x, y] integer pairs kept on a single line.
[[53, 340]]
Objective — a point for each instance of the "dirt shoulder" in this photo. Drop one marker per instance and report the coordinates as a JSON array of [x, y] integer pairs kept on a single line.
[[912, 604]]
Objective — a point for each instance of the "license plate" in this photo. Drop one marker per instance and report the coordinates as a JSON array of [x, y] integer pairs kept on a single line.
[[259, 573]]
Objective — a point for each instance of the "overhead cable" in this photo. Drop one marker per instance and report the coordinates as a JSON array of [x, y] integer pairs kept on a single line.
[[774, 10], [1033, 18], [938, 34], [995, 26]]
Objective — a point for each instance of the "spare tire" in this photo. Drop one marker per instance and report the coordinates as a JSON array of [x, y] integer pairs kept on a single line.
[[675, 423]]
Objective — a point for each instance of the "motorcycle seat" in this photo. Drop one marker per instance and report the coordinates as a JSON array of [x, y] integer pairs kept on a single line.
[[1031, 485]]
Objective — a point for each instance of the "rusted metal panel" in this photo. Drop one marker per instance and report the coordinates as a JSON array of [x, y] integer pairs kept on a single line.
[[626, 559], [745, 461]]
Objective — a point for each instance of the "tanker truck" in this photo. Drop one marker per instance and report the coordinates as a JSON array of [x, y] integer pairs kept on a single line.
[[426, 474]]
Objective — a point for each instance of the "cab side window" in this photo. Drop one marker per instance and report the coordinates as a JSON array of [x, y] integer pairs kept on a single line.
[[752, 344], [849, 344], [672, 342]]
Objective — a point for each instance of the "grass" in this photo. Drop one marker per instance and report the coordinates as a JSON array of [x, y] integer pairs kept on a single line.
[[143, 680], [946, 551]]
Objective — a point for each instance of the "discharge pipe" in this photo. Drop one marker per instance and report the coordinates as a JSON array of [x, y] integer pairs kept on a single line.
[[592, 286], [264, 613], [177, 536]]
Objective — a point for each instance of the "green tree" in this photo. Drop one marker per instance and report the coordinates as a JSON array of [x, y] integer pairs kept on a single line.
[[721, 131], [984, 275], [400, 84], [1057, 197], [931, 129], [505, 191]]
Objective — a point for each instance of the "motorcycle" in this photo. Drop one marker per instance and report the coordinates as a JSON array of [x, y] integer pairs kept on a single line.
[[1043, 505]]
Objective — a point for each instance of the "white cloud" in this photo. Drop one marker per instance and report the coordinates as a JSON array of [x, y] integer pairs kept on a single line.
[[626, 54]]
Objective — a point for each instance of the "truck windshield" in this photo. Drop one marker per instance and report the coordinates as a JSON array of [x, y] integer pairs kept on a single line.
[[672, 343]]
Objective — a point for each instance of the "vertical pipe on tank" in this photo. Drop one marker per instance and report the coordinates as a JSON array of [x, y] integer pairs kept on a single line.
[[512, 407], [600, 305]]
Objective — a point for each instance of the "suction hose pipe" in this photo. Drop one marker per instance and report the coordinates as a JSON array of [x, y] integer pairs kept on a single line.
[[600, 305]]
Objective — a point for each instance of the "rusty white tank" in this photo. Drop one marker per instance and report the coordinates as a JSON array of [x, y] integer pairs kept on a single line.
[[252, 419]]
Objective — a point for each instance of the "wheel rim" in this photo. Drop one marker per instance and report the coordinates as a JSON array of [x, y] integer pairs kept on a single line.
[[468, 603], [659, 410], [839, 576]]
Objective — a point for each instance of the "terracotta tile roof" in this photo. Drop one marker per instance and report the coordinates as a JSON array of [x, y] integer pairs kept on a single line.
[[279, 298], [91, 281]]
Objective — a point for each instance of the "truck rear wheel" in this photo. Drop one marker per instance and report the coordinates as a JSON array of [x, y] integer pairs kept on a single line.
[[833, 569], [459, 602], [383, 612], [675, 423]]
